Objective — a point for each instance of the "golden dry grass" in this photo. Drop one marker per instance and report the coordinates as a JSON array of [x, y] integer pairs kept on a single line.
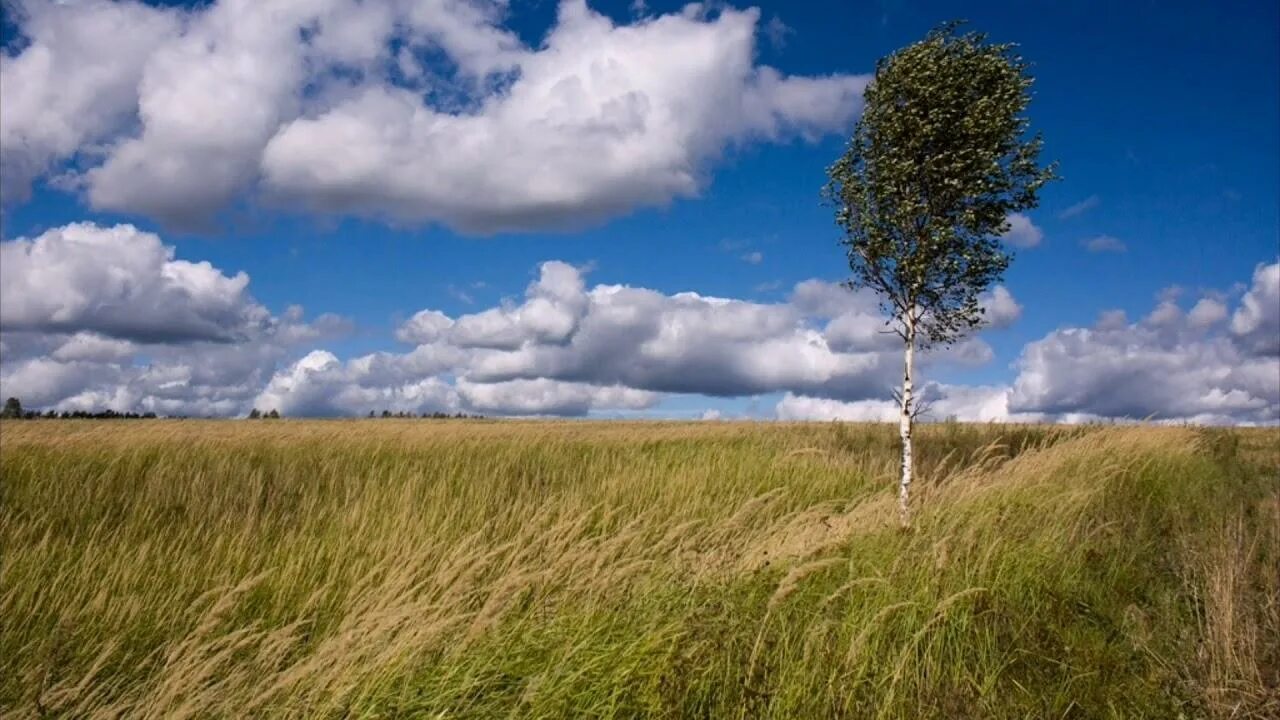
[[479, 569]]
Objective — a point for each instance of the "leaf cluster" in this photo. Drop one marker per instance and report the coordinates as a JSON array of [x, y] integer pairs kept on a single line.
[[939, 159]]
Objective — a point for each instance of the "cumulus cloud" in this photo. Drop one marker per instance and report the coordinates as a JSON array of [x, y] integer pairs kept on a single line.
[[189, 110], [95, 317], [1000, 309], [964, 403], [602, 119], [825, 337], [567, 349], [122, 283], [75, 83], [1022, 231], [320, 385], [1171, 365], [541, 396], [1256, 323]]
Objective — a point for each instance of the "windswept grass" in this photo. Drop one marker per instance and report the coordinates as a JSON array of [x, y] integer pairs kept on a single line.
[[470, 569]]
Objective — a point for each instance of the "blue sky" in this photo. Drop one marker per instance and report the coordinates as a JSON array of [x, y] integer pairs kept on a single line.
[[1164, 117]]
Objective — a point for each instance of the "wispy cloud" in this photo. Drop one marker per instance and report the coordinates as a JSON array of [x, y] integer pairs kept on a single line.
[[755, 257], [1104, 244], [1079, 208], [460, 294], [776, 32]]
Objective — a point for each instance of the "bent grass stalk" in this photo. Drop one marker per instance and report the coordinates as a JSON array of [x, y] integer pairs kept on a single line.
[[544, 569]]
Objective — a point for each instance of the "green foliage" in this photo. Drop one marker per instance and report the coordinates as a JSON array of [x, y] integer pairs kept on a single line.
[[12, 408], [937, 162]]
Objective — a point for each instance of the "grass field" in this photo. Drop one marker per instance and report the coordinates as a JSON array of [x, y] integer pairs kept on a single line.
[[473, 569]]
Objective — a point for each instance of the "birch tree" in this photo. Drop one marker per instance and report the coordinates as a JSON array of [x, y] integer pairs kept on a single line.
[[940, 158]]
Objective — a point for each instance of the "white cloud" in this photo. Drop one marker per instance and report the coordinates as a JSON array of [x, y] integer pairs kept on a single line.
[[1104, 244], [303, 99], [568, 349], [1022, 231], [776, 32], [90, 347], [320, 385], [75, 83], [803, 407], [109, 317], [94, 318], [1171, 365], [425, 326], [967, 404], [1000, 308], [1079, 208], [541, 396], [122, 283], [673, 343], [602, 119], [1256, 323], [1207, 313]]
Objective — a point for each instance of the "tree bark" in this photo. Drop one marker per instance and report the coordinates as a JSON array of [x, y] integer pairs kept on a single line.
[[904, 424]]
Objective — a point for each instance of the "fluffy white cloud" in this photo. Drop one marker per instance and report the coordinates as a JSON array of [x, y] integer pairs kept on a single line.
[[426, 326], [122, 283], [1171, 365], [1000, 310], [75, 82], [464, 125], [1256, 323], [1022, 231], [94, 318], [967, 404], [568, 349], [320, 385], [601, 119], [108, 317], [824, 339], [541, 396]]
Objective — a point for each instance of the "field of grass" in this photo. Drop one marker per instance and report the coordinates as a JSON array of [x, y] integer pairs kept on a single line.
[[474, 569]]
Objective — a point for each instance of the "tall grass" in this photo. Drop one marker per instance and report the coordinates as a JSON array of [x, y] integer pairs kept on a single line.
[[533, 569]]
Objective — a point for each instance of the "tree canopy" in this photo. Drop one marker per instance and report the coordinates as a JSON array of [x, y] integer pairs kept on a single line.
[[938, 161]]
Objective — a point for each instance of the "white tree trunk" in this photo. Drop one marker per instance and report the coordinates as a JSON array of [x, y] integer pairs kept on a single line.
[[904, 427]]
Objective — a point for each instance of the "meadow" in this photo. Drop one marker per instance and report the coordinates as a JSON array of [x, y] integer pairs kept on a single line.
[[524, 569]]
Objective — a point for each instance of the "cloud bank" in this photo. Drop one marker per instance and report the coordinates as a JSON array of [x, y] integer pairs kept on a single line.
[[94, 317], [421, 112]]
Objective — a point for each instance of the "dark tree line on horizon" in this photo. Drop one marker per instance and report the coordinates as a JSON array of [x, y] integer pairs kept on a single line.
[[13, 410]]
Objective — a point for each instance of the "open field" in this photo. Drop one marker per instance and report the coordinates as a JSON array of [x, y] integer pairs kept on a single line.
[[479, 569]]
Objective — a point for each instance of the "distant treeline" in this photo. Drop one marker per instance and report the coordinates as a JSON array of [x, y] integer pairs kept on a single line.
[[13, 410]]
